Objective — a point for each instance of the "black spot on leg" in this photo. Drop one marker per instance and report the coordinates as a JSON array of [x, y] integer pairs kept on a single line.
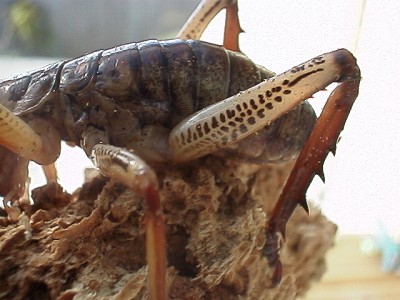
[[239, 120], [287, 92], [230, 113], [199, 130], [189, 136], [183, 142], [297, 69], [253, 104], [224, 129], [278, 99], [298, 79], [269, 105], [260, 113], [214, 122], [251, 120], [243, 128], [276, 89], [206, 128], [234, 136]]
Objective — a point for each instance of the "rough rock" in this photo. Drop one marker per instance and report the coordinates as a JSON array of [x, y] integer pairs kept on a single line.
[[90, 245]]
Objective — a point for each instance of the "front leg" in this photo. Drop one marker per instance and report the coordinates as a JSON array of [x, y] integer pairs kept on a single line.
[[127, 168]]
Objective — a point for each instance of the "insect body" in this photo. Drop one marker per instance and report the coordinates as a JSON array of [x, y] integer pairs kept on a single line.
[[136, 106], [120, 91]]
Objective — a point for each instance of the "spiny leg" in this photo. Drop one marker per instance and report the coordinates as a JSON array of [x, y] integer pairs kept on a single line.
[[203, 15], [237, 117], [129, 169], [232, 27], [309, 163]]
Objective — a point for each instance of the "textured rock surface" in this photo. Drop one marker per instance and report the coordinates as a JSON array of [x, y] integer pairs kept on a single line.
[[91, 245]]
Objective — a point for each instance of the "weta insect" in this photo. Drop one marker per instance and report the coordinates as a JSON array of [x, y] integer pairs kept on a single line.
[[143, 105]]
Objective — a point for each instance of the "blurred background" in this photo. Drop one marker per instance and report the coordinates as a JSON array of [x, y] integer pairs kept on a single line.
[[70, 28], [361, 193]]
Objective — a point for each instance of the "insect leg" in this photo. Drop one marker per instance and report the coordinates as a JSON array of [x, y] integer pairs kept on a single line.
[[232, 27], [50, 171], [310, 162], [203, 15], [241, 115], [129, 169], [38, 141]]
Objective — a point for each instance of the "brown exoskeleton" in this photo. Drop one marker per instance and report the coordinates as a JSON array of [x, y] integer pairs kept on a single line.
[[148, 104]]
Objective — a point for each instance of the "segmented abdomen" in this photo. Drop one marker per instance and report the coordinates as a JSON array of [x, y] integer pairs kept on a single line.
[[176, 75], [172, 76]]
